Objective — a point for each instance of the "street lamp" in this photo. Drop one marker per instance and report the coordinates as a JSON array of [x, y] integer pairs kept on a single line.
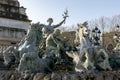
[[96, 36], [116, 39], [117, 27], [116, 36]]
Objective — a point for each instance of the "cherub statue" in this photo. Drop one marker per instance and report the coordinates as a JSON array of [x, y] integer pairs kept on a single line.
[[53, 44]]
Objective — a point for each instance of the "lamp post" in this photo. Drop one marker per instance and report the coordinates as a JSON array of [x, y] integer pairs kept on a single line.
[[116, 39], [116, 36], [118, 28], [96, 36]]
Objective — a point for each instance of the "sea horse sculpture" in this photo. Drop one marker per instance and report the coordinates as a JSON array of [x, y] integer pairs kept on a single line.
[[27, 53], [88, 58]]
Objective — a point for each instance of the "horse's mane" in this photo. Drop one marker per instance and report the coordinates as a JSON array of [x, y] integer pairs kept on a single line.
[[83, 35], [34, 34]]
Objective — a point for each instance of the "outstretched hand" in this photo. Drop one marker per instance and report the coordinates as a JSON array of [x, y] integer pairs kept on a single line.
[[65, 15]]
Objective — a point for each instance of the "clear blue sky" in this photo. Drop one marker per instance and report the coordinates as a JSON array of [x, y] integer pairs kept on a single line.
[[79, 10]]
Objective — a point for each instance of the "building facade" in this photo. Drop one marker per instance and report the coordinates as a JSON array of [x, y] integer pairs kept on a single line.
[[13, 23]]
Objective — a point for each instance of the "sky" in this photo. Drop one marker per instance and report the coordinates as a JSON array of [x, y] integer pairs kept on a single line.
[[78, 10]]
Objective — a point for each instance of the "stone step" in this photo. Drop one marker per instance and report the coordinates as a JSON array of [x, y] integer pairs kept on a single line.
[[7, 69]]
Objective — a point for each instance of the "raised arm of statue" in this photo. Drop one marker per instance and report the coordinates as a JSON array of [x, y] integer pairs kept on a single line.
[[65, 15]]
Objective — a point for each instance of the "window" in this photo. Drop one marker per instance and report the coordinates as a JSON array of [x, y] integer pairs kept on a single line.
[[1, 32]]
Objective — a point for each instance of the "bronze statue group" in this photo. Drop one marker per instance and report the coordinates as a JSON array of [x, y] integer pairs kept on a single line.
[[41, 50]]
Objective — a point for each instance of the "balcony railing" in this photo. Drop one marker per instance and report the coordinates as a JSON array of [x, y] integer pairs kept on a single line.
[[13, 15]]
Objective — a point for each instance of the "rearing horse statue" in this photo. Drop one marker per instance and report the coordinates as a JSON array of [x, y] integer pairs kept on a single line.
[[83, 34], [88, 57], [28, 44], [27, 52]]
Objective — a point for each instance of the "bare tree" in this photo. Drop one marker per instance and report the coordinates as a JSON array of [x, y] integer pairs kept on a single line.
[[102, 23]]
